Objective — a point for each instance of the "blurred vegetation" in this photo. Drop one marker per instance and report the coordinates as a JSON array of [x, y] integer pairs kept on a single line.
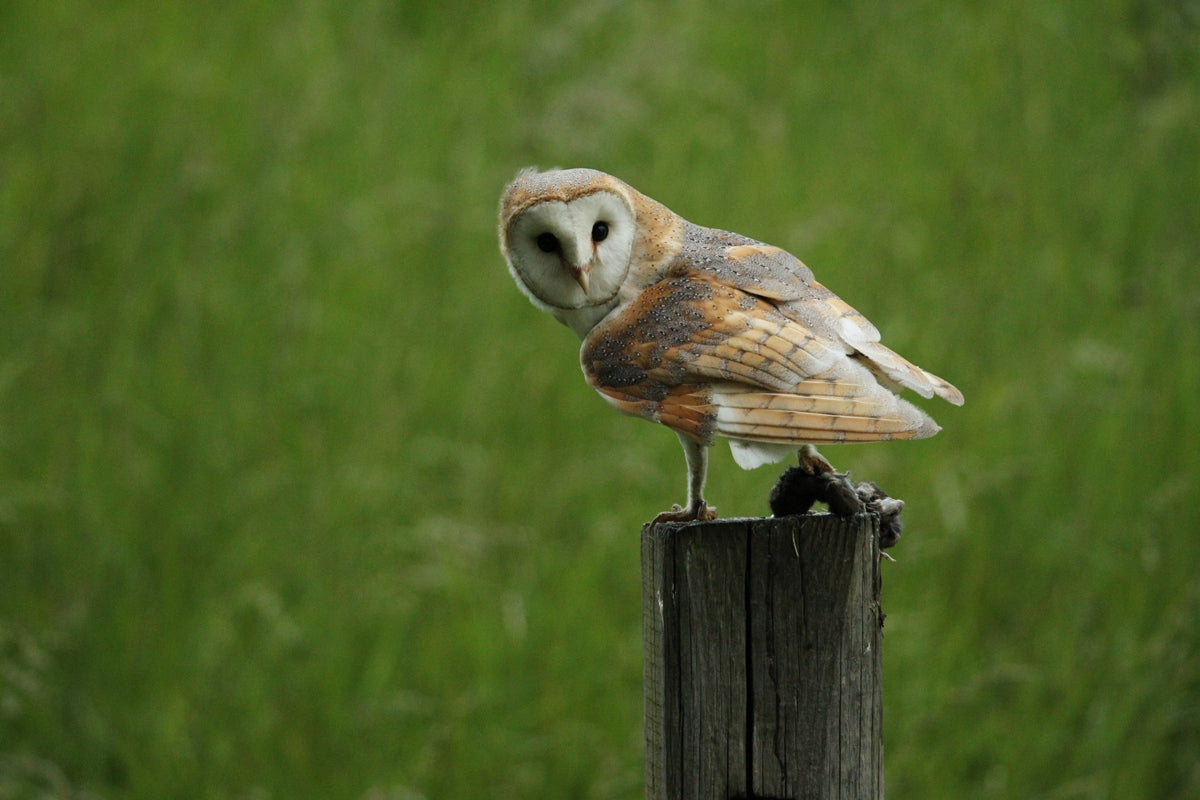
[[299, 497]]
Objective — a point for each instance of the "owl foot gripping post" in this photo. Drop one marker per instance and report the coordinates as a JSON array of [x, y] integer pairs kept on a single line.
[[705, 331], [696, 454]]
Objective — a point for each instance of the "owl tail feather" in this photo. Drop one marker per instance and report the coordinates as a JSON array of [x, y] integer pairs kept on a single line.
[[763, 427]]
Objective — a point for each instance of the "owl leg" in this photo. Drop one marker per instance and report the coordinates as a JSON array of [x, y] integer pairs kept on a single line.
[[811, 461], [697, 461]]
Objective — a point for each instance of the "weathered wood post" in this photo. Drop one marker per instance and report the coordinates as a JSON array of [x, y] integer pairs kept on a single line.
[[762, 658]]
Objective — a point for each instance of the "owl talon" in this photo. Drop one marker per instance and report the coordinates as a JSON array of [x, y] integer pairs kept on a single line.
[[703, 512]]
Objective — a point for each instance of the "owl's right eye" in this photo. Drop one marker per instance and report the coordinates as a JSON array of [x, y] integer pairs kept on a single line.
[[547, 243]]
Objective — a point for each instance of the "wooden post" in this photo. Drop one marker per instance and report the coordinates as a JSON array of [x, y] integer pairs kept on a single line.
[[762, 658]]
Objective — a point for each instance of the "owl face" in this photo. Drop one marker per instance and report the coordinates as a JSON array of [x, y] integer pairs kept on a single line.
[[567, 237]]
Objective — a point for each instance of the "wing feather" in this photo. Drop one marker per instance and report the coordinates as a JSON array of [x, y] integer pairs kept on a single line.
[[708, 359], [795, 420], [776, 275]]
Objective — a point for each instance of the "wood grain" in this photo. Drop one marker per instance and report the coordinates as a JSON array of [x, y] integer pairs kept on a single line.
[[762, 658]]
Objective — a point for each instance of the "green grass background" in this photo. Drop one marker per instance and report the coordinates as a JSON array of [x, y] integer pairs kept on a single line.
[[300, 498]]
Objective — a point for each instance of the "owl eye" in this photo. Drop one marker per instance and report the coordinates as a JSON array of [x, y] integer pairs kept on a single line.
[[600, 231], [547, 242]]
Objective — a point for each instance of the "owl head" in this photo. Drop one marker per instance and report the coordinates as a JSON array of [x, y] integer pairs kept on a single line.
[[568, 236]]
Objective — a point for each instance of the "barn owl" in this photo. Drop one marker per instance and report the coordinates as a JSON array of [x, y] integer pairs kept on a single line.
[[707, 332]]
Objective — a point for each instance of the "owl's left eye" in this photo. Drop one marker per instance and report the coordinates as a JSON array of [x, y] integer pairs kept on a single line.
[[600, 231], [547, 242]]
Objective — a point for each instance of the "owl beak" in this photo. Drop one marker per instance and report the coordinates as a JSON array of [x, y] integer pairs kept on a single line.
[[582, 274]]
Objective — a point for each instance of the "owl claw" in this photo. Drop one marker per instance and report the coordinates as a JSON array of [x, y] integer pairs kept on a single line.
[[701, 512]]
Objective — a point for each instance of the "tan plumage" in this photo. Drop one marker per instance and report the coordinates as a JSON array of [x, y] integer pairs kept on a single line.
[[705, 331]]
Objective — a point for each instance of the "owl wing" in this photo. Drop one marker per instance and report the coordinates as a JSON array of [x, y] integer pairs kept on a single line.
[[777, 276], [706, 358]]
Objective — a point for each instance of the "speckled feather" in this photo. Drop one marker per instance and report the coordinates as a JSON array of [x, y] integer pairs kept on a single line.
[[708, 359]]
